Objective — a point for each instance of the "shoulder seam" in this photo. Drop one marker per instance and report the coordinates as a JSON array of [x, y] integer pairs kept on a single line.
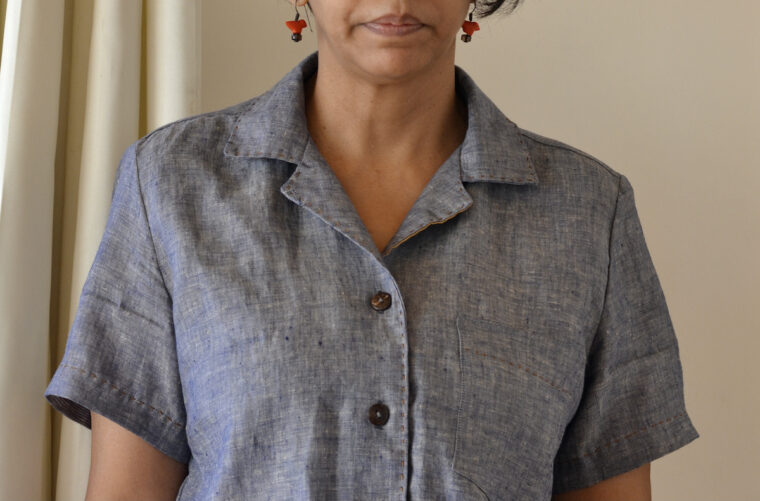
[[144, 211], [558, 144], [246, 104]]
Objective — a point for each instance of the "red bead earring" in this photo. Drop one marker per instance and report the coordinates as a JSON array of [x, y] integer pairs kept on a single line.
[[296, 26], [469, 27]]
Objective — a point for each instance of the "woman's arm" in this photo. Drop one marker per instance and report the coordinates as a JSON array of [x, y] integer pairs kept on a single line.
[[124, 466], [633, 485]]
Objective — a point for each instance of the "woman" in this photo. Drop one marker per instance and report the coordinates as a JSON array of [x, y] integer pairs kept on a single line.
[[368, 283]]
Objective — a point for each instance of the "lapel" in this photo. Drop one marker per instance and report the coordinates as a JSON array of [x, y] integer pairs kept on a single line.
[[274, 126]]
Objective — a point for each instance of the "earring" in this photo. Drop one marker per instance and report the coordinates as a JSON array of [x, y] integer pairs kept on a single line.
[[469, 27], [296, 26]]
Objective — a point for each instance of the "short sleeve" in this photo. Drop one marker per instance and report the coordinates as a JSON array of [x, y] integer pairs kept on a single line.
[[632, 409], [120, 358]]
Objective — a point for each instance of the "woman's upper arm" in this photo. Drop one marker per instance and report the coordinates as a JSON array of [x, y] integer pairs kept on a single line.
[[633, 485], [124, 466]]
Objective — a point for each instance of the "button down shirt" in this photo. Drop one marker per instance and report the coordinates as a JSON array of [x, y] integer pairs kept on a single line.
[[512, 340]]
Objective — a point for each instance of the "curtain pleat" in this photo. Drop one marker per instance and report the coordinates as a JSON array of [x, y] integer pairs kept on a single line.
[[131, 67], [173, 62], [29, 100]]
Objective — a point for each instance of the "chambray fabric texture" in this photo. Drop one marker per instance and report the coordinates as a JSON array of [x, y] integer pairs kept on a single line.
[[227, 317]]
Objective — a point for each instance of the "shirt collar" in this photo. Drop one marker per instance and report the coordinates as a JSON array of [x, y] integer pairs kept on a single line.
[[274, 126]]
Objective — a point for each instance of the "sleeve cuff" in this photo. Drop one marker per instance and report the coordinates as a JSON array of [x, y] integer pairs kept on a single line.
[[75, 391], [625, 453]]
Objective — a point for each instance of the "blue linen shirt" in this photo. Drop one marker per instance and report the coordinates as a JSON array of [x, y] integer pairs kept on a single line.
[[512, 341]]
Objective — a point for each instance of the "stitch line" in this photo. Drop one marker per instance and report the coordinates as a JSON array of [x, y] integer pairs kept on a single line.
[[458, 436], [460, 209], [548, 141], [521, 367], [513, 179], [609, 267], [144, 213], [621, 438], [122, 392]]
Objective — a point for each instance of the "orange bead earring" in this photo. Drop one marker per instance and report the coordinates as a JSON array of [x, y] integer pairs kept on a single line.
[[469, 27], [296, 26]]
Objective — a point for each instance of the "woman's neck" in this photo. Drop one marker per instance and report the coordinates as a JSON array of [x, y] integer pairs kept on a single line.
[[360, 124]]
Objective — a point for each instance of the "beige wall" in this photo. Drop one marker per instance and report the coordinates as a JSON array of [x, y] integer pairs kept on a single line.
[[667, 93]]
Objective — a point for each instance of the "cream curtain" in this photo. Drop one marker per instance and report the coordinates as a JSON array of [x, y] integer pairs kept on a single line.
[[79, 81]]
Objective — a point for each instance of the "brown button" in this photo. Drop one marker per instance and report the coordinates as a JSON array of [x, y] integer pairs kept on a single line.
[[381, 301], [379, 414]]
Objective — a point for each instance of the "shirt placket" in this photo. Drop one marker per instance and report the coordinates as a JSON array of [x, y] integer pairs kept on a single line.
[[315, 187]]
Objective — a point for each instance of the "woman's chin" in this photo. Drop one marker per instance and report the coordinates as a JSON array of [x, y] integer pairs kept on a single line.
[[393, 63]]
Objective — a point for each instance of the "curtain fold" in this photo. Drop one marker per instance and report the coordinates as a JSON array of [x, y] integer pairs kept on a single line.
[[79, 81], [29, 99], [173, 62]]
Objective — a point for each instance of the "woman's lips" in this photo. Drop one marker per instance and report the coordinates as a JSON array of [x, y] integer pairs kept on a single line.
[[393, 29]]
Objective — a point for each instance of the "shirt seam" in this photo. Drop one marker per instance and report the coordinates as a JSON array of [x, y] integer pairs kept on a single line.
[[144, 212], [622, 438], [609, 265], [232, 110], [557, 144], [100, 379]]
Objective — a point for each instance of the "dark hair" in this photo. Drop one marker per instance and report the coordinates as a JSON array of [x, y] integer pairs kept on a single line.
[[485, 8]]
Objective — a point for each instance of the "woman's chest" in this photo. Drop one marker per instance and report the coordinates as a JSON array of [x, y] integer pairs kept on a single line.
[[469, 331], [382, 212], [382, 202]]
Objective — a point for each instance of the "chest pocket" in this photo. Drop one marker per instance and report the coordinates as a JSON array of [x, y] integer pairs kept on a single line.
[[512, 409]]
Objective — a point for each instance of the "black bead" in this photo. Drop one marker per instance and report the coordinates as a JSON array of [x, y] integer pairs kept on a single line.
[[296, 37]]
